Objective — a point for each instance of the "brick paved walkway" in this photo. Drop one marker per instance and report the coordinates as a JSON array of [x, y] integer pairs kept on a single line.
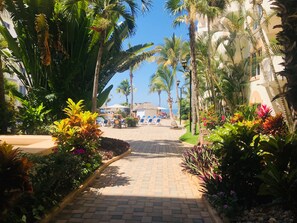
[[146, 186]]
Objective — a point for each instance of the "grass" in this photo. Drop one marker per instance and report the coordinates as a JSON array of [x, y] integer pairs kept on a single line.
[[188, 137]]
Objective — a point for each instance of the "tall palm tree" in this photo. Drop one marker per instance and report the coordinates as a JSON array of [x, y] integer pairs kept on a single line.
[[155, 87], [169, 55], [73, 51], [146, 55], [125, 89], [165, 79], [186, 11], [234, 78], [211, 9], [108, 12]]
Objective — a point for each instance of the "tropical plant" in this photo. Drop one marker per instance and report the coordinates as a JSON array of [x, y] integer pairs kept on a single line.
[[275, 125], [78, 133], [33, 119], [156, 87], [236, 146], [211, 9], [14, 177], [108, 13], [286, 10], [225, 203], [170, 55], [131, 122], [132, 68], [124, 88], [211, 119], [165, 79], [200, 160], [69, 51], [234, 84], [3, 111], [261, 19], [186, 11], [279, 178]]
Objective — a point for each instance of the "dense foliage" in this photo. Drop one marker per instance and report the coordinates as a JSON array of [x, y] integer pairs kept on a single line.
[[252, 161], [32, 184], [55, 51], [79, 132]]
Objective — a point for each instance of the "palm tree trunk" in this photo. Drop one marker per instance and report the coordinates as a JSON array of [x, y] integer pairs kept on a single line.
[[176, 89], [272, 68], [159, 95], [97, 72], [195, 84], [170, 106], [131, 91], [209, 66], [3, 127]]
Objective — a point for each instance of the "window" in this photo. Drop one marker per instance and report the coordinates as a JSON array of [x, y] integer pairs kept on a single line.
[[255, 63]]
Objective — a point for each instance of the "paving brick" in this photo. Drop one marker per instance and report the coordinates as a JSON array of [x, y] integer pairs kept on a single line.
[[146, 186]]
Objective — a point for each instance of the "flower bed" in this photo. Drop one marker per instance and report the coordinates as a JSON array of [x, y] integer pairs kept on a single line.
[[31, 185], [251, 163]]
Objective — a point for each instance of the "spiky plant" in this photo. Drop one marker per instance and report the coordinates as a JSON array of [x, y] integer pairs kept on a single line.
[[287, 37]]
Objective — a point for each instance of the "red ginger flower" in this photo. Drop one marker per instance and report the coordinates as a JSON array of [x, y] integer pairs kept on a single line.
[[264, 112]]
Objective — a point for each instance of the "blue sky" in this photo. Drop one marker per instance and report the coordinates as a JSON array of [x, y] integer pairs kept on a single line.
[[154, 26]]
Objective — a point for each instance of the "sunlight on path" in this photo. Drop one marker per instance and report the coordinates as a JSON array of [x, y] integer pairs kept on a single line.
[[146, 186]]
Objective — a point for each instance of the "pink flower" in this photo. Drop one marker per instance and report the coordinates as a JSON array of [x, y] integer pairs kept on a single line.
[[264, 111], [223, 118], [78, 151]]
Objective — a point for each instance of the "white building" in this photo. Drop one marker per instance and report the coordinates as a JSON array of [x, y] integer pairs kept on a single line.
[[7, 22], [263, 86]]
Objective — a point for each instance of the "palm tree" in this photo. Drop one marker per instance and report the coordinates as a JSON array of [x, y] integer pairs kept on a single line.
[[234, 77], [286, 10], [211, 9], [165, 79], [191, 7], [145, 56], [155, 87], [108, 12], [169, 55], [73, 52], [124, 88]]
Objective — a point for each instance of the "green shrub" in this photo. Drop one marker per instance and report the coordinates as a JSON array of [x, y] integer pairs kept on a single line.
[[52, 177], [279, 178], [14, 178], [131, 122], [78, 133], [211, 119], [236, 147], [199, 160], [184, 117], [33, 118]]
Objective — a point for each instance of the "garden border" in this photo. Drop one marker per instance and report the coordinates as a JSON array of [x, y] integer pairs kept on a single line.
[[215, 217], [66, 200]]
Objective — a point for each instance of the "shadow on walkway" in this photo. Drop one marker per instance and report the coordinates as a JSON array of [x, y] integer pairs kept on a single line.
[[107, 208]]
